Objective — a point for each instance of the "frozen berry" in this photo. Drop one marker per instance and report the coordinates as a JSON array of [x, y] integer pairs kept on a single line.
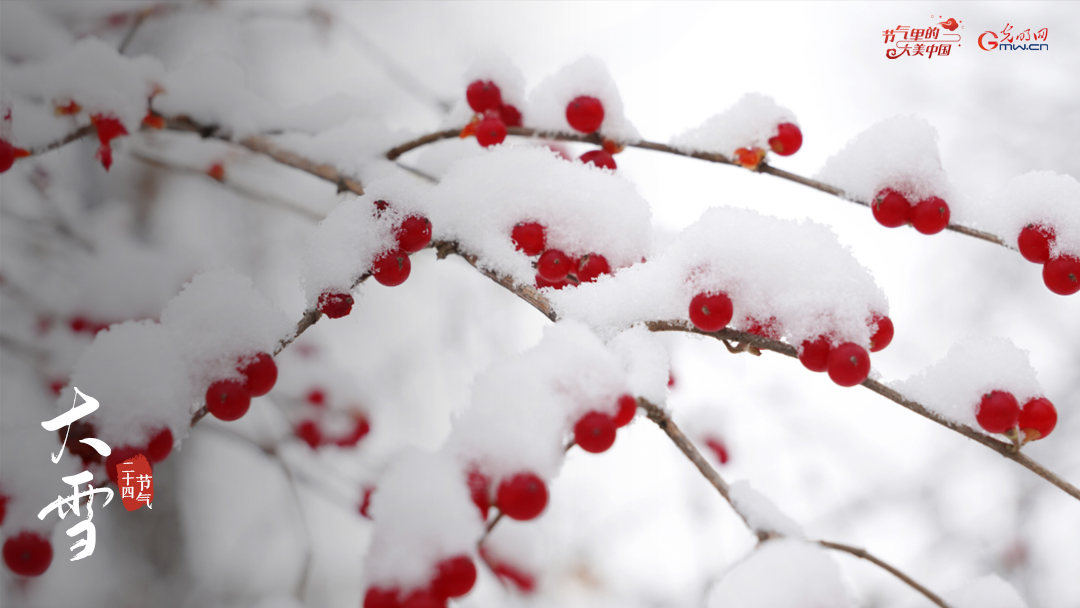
[[379, 597], [522, 496], [309, 431], [1062, 275], [930, 216], [391, 268], [891, 209], [359, 431], [480, 491], [711, 311], [627, 409], [718, 448], [510, 115], [28, 554], [541, 282], [814, 355], [160, 446], [454, 577], [595, 432], [483, 95], [883, 335], [316, 397], [554, 265], [600, 158], [788, 139], [529, 238], [414, 233], [1037, 418], [997, 412], [7, 155], [260, 374], [591, 266], [1034, 243], [228, 400], [118, 456], [749, 158], [849, 364], [491, 131], [585, 114], [335, 305]]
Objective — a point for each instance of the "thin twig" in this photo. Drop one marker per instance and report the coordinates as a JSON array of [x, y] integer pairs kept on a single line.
[[864, 554], [711, 157]]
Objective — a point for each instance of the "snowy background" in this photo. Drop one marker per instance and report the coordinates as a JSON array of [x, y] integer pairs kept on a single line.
[[248, 515]]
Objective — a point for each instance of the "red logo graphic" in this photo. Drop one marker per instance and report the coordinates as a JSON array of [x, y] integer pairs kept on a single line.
[[1010, 41], [136, 482], [922, 41]]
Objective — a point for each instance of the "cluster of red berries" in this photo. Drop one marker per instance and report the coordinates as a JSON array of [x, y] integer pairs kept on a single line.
[[454, 577], [521, 496], [847, 363], [310, 428], [230, 399], [892, 209], [555, 268], [787, 141], [1000, 412], [1061, 273], [391, 268], [492, 115], [595, 431]]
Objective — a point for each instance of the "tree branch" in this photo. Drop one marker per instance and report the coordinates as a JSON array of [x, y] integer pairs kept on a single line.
[[864, 554]]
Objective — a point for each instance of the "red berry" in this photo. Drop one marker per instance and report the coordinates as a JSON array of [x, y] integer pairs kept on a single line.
[[3, 508], [997, 412], [310, 433], [414, 233], [814, 355], [80, 429], [490, 131], [378, 597], [160, 446], [883, 335], [510, 115], [1062, 275], [529, 238], [788, 139], [849, 364], [591, 266], [7, 155], [511, 574], [671, 379], [483, 95], [28, 554], [930, 216], [392, 268], [365, 504], [1037, 418], [595, 432], [522, 496], [454, 577], [359, 431], [335, 305], [749, 158], [600, 158], [711, 312], [260, 374], [891, 209], [316, 397], [228, 400], [108, 128], [480, 491], [118, 456], [1034, 243], [585, 114], [554, 265], [78, 324], [717, 448], [627, 409], [541, 282], [422, 598]]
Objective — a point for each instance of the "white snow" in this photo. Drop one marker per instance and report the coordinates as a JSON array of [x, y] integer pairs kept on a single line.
[[986, 592], [586, 76], [1038, 197], [750, 123], [782, 573], [760, 513]]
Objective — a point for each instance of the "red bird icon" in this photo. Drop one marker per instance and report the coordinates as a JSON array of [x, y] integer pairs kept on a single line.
[[950, 25]]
